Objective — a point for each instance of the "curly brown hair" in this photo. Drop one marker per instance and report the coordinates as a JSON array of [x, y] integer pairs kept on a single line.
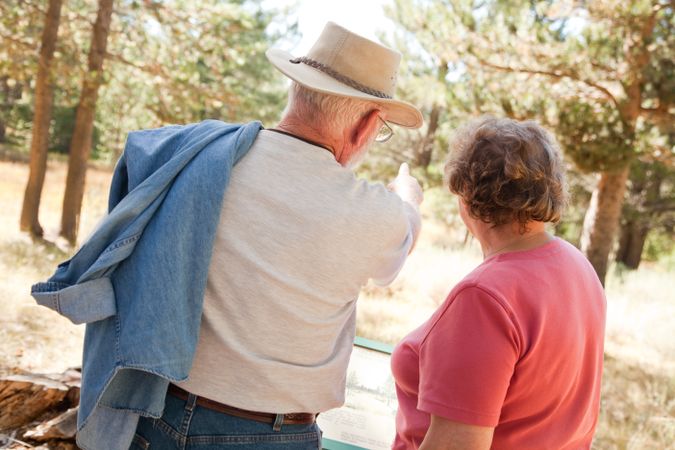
[[507, 171]]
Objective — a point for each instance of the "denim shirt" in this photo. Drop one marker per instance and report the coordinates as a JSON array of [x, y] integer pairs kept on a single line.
[[139, 280]]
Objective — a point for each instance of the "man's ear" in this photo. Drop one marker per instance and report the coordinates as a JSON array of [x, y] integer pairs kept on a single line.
[[364, 128]]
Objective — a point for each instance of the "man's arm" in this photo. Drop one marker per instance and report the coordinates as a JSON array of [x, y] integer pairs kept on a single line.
[[444, 434], [410, 191]]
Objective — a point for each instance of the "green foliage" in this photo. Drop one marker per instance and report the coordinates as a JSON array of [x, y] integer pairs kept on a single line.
[[63, 123], [20, 28], [661, 248], [196, 60], [61, 133], [169, 61], [594, 136], [572, 66], [598, 74], [19, 117], [571, 225], [651, 202]]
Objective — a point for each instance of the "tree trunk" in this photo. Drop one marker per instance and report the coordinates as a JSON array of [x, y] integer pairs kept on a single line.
[[426, 146], [42, 117], [5, 106], [639, 213], [602, 219], [80, 146], [632, 242], [425, 149]]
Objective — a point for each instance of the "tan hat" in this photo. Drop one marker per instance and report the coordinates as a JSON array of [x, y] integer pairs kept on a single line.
[[346, 64]]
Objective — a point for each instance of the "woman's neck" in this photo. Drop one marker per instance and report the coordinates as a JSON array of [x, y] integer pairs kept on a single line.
[[509, 238]]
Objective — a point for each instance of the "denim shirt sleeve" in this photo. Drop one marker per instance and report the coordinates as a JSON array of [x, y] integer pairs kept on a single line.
[[119, 185], [91, 300], [81, 289], [82, 303]]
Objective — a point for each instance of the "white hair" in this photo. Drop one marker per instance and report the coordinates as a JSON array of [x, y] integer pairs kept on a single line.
[[325, 110]]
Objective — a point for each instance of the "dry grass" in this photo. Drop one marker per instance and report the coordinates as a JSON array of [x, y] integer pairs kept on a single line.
[[638, 406], [31, 337]]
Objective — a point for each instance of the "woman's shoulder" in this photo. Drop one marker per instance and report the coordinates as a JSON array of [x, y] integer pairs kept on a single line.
[[478, 286], [502, 275], [530, 280]]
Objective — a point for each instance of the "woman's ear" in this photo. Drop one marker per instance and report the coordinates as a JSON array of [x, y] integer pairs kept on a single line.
[[364, 129]]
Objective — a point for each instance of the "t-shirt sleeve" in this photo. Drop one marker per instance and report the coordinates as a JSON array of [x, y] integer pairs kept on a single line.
[[467, 359], [398, 241]]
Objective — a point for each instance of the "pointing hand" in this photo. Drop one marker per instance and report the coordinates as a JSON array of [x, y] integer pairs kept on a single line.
[[407, 187]]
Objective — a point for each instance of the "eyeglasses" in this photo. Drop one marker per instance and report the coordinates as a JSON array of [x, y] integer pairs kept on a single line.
[[385, 132]]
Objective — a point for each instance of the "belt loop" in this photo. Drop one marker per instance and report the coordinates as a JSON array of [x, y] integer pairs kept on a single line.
[[278, 421], [191, 402], [187, 414]]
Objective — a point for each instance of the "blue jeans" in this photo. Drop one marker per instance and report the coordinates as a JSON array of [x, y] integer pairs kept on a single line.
[[188, 426]]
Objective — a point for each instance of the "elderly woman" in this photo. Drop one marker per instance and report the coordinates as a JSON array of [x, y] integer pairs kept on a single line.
[[513, 358]]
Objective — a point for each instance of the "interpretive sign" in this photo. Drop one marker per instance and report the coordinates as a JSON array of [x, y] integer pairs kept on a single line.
[[367, 419]]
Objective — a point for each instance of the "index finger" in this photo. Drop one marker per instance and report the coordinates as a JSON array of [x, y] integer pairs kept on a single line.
[[404, 169]]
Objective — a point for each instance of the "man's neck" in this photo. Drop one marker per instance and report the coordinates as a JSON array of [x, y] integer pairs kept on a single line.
[[307, 134]]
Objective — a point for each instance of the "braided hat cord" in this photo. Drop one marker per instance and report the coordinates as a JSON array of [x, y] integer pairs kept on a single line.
[[339, 77]]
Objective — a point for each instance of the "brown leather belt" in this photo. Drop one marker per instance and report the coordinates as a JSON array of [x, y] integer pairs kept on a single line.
[[288, 419]]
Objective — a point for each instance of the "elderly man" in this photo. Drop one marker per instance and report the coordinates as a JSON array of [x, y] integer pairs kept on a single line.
[[294, 238], [298, 237]]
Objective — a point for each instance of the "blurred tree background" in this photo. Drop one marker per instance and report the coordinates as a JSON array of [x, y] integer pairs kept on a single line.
[[599, 74], [77, 75], [164, 62]]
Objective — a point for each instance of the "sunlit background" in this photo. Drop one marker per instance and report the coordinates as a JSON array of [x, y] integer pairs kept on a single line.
[[599, 75]]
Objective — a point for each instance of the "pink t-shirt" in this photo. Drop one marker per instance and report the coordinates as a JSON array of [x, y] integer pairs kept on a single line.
[[517, 345]]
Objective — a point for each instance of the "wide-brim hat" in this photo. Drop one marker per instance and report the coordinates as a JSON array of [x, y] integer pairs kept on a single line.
[[346, 64]]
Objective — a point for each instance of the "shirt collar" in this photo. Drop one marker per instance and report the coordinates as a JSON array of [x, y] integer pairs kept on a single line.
[[301, 139]]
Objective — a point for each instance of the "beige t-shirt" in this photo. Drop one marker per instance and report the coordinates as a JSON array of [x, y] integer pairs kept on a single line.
[[299, 235]]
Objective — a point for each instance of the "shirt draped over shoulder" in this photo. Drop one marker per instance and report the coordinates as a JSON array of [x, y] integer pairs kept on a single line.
[[139, 280]]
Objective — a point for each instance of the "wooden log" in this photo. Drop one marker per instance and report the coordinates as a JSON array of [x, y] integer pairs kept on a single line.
[[63, 426], [73, 379], [24, 398]]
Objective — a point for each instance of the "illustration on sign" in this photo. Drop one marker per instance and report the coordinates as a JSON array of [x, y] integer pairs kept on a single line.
[[367, 419]]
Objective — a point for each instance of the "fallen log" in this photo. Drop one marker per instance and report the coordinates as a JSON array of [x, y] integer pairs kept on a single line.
[[63, 426], [39, 411], [24, 398]]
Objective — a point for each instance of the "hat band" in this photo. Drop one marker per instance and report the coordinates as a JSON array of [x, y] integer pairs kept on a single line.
[[339, 77]]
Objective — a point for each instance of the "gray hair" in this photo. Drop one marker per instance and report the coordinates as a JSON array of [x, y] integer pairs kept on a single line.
[[325, 110]]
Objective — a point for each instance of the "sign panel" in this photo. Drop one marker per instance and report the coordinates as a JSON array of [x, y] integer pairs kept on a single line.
[[367, 419]]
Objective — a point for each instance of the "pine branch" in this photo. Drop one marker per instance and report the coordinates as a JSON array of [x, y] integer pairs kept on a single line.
[[154, 69], [18, 41], [33, 6], [660, 113], [554, 74]]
